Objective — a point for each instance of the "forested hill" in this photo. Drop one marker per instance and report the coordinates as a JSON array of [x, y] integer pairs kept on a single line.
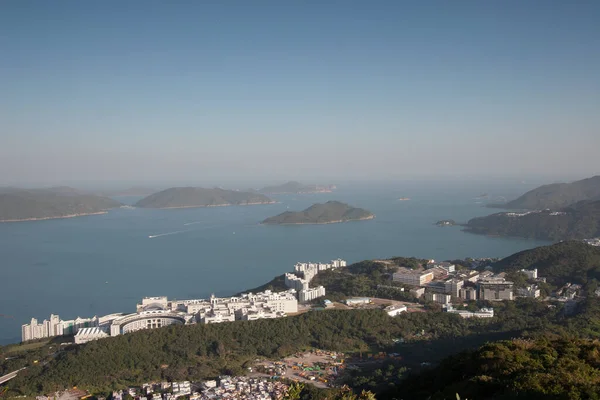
[[558, 195], [517, 369], [180, 197], [571, 261], [579, 221], [20, 204], [327, 213]]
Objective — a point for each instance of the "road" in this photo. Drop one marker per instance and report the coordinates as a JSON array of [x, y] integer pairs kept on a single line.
[[8, 377]]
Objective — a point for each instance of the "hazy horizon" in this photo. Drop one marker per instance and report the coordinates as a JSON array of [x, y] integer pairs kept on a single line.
[[142, 93]]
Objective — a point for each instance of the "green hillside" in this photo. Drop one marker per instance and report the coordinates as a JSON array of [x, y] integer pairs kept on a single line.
[[330, 212], [19, 204], [180, 197], [558, 195]]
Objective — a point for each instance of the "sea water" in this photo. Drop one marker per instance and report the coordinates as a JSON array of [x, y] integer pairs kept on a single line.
[[102, 264]]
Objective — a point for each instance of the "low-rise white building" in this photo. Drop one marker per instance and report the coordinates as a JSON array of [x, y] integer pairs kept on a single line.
[[483, 313], [85, 335], [392, 311]]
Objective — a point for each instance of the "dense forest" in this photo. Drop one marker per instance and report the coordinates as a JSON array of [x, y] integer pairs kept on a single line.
[[579, 221], [563, 368]]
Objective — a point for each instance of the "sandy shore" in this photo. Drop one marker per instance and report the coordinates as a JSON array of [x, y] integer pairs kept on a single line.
[[59, 217]]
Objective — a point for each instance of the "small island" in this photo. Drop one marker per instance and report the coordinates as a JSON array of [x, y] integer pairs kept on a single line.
[[446, 222], [328, 213], [190, 197]]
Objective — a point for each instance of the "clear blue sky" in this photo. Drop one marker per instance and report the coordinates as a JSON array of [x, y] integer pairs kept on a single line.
[[231, 90]]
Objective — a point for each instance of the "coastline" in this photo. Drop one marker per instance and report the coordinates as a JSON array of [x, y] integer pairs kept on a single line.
[[213, 205], [58, 217], [321, 223]]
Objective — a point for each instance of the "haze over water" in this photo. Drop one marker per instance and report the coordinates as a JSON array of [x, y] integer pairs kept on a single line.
[[103, 264]]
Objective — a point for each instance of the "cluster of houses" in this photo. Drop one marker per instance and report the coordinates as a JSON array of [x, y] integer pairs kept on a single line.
[[593, 241], [226, 387]]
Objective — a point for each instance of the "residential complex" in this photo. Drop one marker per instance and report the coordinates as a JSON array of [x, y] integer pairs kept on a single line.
[[299, 280], [156, 312]]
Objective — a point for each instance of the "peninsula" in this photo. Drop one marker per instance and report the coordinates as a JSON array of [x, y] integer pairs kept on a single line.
[[556, 195], [297, 188], [579, 221], [41, 204], [188, 197], [328, 213]]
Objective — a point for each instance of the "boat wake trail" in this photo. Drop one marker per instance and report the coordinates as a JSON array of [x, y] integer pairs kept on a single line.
[[166, 234], [193, 223]]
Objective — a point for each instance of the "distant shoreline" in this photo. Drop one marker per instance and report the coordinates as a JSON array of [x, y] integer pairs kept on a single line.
[[58, 217], [213, 205], [321, 223]]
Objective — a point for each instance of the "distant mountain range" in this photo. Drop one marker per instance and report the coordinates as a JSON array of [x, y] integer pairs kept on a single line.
[[578, 221], [59, 202], [327, 213], [182, 197], [557, 195], [132, 191], [296, 187]]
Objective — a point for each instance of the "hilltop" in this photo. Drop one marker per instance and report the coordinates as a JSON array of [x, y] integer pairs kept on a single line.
[[557, 195], [61, 202], [571, 261], [182, 197], [327, 213], [296, 187], [579, 221]]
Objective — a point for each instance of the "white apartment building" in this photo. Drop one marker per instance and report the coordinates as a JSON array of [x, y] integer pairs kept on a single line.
[[412, 277], [55, 327], [311, 294], [531, 273], [295, 282]]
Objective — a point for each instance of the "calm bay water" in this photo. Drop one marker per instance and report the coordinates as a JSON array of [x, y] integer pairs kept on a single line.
[[103, 264]]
